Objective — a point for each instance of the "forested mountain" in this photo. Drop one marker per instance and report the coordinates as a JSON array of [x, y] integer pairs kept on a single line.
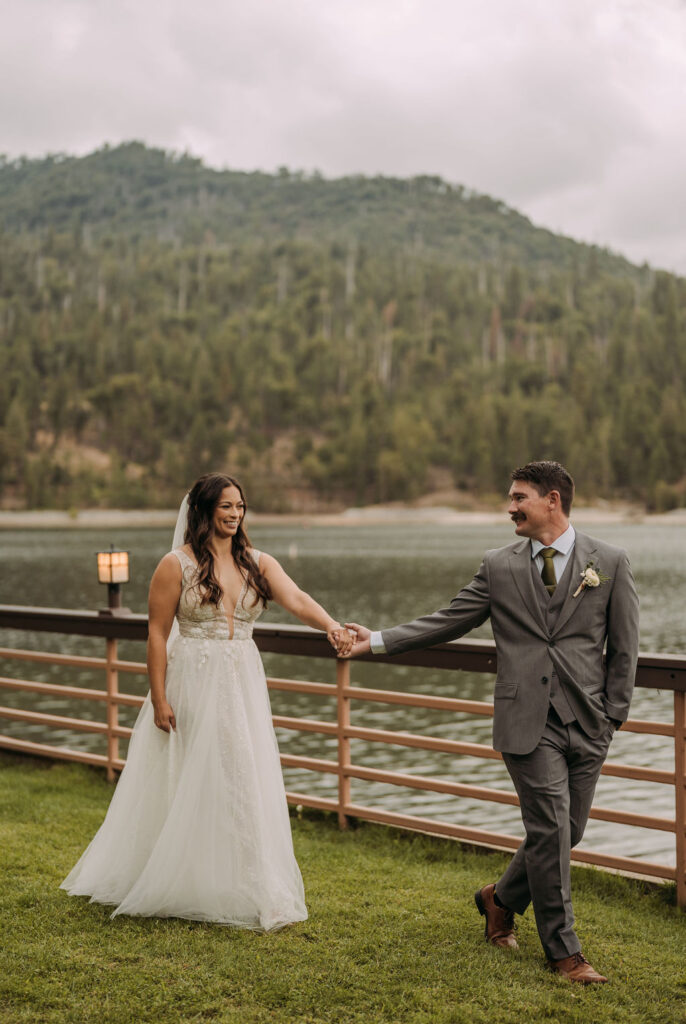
[[141, 192], [335, 341]]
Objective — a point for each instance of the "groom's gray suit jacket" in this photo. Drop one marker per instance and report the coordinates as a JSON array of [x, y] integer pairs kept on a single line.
[[538, 649]]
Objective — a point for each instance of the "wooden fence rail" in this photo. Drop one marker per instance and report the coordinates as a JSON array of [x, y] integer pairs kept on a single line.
[[655, 671]]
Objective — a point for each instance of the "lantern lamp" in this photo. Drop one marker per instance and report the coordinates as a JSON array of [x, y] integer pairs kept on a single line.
[[113, 569]]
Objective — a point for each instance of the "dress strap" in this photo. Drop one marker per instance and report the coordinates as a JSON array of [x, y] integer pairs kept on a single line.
[[183, 558], [256, 556]]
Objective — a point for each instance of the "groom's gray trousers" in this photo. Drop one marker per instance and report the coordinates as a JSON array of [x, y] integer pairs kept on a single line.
[[555, 784]]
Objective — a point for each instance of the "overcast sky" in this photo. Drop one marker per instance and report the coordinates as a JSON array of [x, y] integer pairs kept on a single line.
[[573, 111]]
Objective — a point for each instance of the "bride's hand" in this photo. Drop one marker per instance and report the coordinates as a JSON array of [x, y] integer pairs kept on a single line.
[[164, 716], [341, 640]]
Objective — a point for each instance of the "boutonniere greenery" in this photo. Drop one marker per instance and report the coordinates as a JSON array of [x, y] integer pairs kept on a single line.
[[591, 577]]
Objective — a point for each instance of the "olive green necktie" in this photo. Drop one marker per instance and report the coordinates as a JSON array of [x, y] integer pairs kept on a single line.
[[548, 575]]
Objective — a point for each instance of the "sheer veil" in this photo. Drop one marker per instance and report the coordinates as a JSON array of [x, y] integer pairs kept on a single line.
[[178, 541], [181, 523]]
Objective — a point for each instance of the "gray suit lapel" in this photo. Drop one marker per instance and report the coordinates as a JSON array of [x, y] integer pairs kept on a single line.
[[520, 566], [584, 549]]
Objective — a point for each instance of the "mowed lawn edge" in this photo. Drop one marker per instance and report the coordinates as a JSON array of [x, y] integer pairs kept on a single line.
[[393, 934]]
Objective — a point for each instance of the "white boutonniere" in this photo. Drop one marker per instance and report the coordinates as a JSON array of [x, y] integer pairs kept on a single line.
[[591, 577]]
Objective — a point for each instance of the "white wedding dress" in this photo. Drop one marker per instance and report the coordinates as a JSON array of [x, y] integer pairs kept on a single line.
[[198, 826]]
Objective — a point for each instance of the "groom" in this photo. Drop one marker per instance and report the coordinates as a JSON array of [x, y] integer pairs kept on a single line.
[[555, 598]]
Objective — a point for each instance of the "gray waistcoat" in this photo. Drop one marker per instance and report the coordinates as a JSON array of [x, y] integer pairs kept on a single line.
[[550, 608]]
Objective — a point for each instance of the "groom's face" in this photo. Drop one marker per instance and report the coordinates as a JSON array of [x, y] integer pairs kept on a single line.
[[528, 510]]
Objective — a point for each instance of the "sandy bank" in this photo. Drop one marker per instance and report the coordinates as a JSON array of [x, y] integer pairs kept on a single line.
[[370, 516]]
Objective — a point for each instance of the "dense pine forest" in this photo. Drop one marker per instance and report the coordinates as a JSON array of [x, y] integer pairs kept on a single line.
[[332, 342]]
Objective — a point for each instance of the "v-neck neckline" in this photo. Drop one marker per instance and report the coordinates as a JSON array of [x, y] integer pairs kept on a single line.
[[231, 623], [221, 607]]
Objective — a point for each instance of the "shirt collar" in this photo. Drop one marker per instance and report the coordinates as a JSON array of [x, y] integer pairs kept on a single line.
[[564, 543]]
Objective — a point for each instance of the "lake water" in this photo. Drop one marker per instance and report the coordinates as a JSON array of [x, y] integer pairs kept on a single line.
[[378, 575]]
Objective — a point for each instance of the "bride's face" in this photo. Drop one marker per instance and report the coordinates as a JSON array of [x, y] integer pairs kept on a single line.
[[228, 513]]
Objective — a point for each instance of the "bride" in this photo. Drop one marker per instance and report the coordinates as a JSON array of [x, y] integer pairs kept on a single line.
[[198, 826]]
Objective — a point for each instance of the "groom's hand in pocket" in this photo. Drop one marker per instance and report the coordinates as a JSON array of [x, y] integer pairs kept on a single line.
[[362, 635]]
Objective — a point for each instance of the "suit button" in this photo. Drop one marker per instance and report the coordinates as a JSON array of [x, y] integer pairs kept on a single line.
[[544, 679], [551, 643]]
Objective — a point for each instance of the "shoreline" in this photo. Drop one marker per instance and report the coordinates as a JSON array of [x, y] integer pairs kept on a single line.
[[381, 515]]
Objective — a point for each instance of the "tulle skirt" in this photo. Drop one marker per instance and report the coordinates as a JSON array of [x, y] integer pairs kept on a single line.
[[198, 826]]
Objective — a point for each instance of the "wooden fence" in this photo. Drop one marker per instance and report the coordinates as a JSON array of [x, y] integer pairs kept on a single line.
[[655, 671]]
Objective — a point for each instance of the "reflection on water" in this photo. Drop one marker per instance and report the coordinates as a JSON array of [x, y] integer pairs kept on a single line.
[[378, 575]]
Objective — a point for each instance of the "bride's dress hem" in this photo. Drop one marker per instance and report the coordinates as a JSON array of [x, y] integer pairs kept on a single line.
[[260, 929]]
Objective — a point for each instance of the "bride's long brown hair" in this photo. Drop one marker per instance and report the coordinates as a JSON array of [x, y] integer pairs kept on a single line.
[[203, 499]]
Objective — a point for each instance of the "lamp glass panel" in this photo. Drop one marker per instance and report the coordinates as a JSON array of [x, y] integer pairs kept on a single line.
[[120, 567], [104, 567]]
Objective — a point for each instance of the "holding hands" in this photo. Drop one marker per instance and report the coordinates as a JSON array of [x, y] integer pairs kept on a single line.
[[341, 639], [351, 641]]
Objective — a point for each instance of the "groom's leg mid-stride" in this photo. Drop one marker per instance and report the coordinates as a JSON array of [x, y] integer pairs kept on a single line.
[[555, 784]]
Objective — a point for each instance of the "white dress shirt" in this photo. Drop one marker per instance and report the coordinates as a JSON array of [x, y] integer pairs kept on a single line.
[[564, 545]]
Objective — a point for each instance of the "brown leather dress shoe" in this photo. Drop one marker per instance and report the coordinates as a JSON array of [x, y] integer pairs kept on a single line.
[[576, 968], [499, 929]]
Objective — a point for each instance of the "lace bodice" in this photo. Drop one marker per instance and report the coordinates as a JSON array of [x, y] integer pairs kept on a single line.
[[206, 621]]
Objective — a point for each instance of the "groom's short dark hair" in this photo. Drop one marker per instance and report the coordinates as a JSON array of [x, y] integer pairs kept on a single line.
[[547, 477]]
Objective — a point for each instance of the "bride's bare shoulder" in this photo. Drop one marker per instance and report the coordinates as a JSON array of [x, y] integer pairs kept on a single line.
[[263, 559], [168, 568], [271, 568]]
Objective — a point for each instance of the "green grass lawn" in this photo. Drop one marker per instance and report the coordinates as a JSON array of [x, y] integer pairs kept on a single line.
[[393, 934]]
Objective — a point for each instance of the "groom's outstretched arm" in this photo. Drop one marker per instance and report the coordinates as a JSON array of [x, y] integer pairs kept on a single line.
[[466, 611]]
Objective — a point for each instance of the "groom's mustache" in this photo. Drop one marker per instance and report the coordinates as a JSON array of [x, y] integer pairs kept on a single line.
[[517, 518]]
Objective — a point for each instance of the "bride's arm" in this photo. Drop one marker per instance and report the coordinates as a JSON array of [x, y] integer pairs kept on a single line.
[[289, 595], [165, 590]]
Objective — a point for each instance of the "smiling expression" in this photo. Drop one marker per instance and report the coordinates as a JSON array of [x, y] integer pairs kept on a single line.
[[529, 511], [229, 512]]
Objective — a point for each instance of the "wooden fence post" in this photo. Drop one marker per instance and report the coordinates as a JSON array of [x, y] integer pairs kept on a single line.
[[112, 709], [680, 794], [343, 719]]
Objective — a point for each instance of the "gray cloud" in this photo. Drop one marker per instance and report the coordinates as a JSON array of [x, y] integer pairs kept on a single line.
[[572, 112]]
